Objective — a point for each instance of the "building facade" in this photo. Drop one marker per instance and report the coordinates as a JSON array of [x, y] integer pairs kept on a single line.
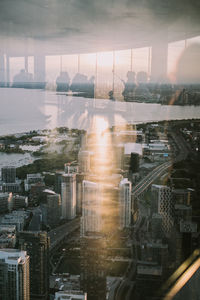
[[68, 196], [14, 279], [37, 246], [124, 203]]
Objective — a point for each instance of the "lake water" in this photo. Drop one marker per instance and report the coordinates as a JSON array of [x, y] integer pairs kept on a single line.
[[16, 159], [23, 110]]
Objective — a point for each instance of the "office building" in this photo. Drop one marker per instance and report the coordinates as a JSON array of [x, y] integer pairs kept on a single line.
[[32, 179], [68, 196], [17, 218], [91, 221], [70, 295], [162, 203], [84, 159], [19, 201], [134, 163], [79, 193], [11, 187], [124, 203], [58, 181], [14, 279], [8, 174], [37, 246], [5, 202], [51, 208]]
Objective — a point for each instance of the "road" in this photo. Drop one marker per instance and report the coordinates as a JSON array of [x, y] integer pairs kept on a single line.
[[58, 234]]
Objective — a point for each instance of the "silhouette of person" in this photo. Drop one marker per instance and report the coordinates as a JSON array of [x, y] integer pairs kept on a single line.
[[62, 82], [79, 83], [129, 86], [21, 79], [142, 91]]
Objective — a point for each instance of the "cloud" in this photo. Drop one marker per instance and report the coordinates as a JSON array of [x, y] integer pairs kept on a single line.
[[96, 21]]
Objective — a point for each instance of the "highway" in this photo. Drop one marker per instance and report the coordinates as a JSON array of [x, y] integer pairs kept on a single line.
[[148, 179], [158, 171], [58, 234]]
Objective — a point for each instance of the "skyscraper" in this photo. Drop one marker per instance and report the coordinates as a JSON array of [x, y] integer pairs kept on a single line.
[[14, 279], [124, 203], [68, 196], [51, 208], [134, 162], [58, 181], [37, 246], [8, 174], [91, 222], [5, 202]]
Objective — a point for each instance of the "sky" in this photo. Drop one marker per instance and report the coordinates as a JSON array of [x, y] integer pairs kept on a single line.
[[89, 25]]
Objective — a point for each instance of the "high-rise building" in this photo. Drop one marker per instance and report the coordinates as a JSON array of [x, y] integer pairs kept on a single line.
[[91, 222], [93, 267], [162, 203], [79, 193], [5, 202], [37, 246], [19, 201], [14, 278], [68, 196], [124, 203], [8, 174], [99, 222], [134, 163], [58, 181], [84, 159], [51, 208]]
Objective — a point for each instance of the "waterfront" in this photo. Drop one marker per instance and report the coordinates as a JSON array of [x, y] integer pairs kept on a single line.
[[23, 110]]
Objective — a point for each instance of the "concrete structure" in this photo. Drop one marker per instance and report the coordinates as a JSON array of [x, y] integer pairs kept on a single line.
[[162, 203], [14, 279], [70, 295], [37, 246], [124, 203], [68, 196]]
